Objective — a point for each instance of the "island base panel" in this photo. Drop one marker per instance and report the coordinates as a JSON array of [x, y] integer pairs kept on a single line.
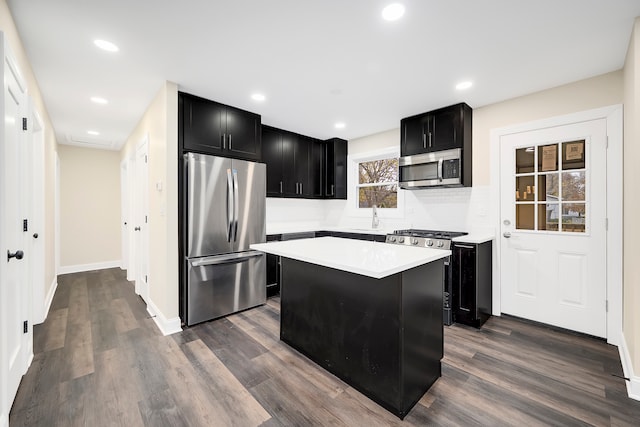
[[381, 336]]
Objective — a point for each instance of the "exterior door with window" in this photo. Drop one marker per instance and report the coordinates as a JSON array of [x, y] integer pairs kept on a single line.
[[553, 213]]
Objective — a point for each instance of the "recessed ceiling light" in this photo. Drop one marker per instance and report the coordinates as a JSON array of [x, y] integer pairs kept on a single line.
[[340, 125], [258, 97], [393, 12], [105, 45], [93, 132], [99, 100], [464, 85]]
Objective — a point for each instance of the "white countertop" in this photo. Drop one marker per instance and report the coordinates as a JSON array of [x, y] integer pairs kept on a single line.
[[474, 237], [281, 228], [373, 259]]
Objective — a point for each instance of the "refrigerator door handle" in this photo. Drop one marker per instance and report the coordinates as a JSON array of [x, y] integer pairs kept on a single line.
[[230, 206], [235, 205], [225, 259]]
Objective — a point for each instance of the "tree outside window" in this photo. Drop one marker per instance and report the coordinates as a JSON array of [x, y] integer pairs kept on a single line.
[[378, 183]]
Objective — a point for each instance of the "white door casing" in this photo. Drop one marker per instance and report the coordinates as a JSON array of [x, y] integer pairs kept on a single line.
[[613, 201], [553, 212], [124, 214], [16, 344], [36, 234], [141, 220], [131, 235]]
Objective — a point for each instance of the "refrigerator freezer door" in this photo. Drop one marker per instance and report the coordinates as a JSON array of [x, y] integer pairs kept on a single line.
[[209, 205], [250, 188], [224, 284]]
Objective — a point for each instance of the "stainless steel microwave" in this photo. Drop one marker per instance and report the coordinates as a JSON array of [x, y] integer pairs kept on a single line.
[[435, 169]]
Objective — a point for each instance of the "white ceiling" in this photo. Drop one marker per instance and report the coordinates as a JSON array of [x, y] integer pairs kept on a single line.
[[317, 62]]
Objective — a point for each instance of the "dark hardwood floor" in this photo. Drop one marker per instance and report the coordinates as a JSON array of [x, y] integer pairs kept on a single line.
[[101, 361]]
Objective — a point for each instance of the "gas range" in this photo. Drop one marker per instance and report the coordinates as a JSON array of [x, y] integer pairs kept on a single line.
[[423, 238]]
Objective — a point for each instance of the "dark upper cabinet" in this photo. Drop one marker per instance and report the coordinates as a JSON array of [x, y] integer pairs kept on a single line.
[[304, 167], [316, 168], [213, 128], [289, 167], [437, 130], [272, 156], [335, 177]]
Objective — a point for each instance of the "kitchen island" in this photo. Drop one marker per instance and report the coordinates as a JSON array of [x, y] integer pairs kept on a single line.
[[368, 312]]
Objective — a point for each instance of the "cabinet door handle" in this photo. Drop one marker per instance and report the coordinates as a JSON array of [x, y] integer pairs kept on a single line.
[[429, 139], [230, 142], [333, 190], [224, 141], [300, 188], [424, 141], [280, 187]]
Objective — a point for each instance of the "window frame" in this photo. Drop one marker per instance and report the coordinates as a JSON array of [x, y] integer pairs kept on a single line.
[[354, 161]]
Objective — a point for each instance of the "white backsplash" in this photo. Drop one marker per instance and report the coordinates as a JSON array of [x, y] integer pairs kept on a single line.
[[453, 209]]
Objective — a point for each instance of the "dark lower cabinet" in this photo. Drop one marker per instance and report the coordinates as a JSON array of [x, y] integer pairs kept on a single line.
[[273, 269], [471, 299]]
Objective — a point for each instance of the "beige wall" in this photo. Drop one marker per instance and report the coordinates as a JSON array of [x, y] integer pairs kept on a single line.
[[89, 206], [600, 91], [8, 28], [160, 124], [631, 291]]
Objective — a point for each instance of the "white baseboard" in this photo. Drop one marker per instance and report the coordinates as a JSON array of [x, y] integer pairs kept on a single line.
[[49, 299], [166, 326], [633, 385], [88, 267]]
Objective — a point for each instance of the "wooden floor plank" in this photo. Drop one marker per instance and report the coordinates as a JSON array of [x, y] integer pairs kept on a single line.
[[100, 360]]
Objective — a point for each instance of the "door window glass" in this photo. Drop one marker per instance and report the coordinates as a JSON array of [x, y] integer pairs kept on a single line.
[[551, 184]]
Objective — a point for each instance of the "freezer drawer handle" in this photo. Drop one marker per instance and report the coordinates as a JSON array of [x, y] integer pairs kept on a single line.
[[226, 259]]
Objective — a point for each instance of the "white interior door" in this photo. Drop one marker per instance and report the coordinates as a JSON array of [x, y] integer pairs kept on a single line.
[[553, 220], [14, 277], [141, 221]]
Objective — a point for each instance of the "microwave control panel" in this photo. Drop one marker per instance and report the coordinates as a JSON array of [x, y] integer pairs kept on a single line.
[[451, 169]]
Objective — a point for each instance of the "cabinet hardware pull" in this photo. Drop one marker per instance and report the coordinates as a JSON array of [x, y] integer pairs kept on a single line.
[[424, 141], [300, 188], [429, 139], [230, 142], [333, 190], [224, 142], [280, 187]]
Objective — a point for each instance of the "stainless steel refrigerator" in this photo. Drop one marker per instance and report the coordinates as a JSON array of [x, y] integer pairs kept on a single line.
[[225, 213]]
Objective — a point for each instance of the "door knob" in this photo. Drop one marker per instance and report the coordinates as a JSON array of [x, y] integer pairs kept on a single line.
[[506, 234], [136, 229], [35, 235], [16, 255]]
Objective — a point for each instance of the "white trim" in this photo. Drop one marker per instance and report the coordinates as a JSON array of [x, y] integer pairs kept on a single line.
[[633, 385], [166, 326], [48, 300], [89, 267], [613, 114], [352, 174]]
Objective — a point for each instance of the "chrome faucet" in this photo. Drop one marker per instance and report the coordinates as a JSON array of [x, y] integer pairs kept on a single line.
[[375, 222]]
